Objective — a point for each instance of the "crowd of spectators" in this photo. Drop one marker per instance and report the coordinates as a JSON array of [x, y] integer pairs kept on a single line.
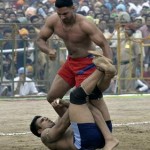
[[21, 20]]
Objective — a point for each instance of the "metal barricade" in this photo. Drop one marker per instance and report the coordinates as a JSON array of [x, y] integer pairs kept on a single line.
[[45, 70]]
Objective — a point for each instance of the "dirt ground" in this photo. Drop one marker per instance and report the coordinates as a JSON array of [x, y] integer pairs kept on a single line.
[[130, 116]]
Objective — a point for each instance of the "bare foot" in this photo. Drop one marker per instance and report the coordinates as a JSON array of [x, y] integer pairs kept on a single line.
[[99, 54], [103, 63], [111, 144]]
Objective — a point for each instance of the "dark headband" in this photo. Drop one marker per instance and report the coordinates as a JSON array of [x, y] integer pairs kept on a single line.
[[63, 3]]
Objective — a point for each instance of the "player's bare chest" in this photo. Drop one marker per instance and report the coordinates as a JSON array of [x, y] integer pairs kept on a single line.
[[73, 34]]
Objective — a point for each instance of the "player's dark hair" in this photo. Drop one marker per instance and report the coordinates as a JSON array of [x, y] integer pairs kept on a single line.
[[33, 126], [63, 3]]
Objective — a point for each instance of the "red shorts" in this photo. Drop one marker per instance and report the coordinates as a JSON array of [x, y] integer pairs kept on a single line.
[[75, 70]]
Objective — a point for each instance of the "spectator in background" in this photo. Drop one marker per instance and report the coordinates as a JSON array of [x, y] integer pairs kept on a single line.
[[111, 25], [146, 3], [29, 12], [121, 6], [40, 9], [2, 4], [31, 52], [145, 29], [123, 18], [137, 35], [98, 17], [145, 10], [104, 28], [108, 4], [22, 43], [9, 9], [30, 71], [32, 36], [23, 38], [97, 4], [84, 7], [51, 5], [20, 3], [103, 9], [2, 12], [45, 8], [139, 21], [91, 13], [137, 6], [37, 22], [23, 85], [106, 17], [20, 13], [2, 26], [41, 57], [130, 59], [12, 16], [7, 46]]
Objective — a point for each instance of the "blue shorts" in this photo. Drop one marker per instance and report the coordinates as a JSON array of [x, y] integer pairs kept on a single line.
[[87, 136]]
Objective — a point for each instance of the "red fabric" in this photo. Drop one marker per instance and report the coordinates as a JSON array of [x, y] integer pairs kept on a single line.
[[70, 68]]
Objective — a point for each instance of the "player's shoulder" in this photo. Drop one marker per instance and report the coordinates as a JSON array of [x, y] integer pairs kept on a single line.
[[84, 23], [83, 20], [48, 140], [46, 136]]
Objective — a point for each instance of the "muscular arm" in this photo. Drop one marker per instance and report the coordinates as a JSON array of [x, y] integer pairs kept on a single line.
[[97, 37], [50, 135], [45, 33], [60, 104]]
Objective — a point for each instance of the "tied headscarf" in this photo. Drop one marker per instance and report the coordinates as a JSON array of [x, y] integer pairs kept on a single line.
[[63, 3], [23, 31]]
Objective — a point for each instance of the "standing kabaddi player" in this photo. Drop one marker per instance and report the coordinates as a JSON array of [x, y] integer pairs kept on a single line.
[[79, 36]]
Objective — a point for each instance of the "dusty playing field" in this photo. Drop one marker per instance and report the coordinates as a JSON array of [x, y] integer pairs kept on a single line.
[[130, 116]]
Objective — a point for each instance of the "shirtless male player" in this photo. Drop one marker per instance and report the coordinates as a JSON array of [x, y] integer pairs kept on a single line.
[[85, 133], [79, 35]]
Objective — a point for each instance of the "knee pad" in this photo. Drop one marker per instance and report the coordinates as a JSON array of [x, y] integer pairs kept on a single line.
[[96, 94], [78, 96]]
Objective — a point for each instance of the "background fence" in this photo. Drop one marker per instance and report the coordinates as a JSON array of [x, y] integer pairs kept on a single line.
[[18, 49]]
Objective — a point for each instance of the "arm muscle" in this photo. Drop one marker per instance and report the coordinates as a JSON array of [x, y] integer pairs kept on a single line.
[[54, 133], [97, 37]]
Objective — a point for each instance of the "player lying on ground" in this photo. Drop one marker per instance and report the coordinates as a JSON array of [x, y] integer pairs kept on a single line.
[[85, 134]]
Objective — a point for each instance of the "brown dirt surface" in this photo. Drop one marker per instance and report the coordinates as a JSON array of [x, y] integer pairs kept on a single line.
[[130, 117]]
